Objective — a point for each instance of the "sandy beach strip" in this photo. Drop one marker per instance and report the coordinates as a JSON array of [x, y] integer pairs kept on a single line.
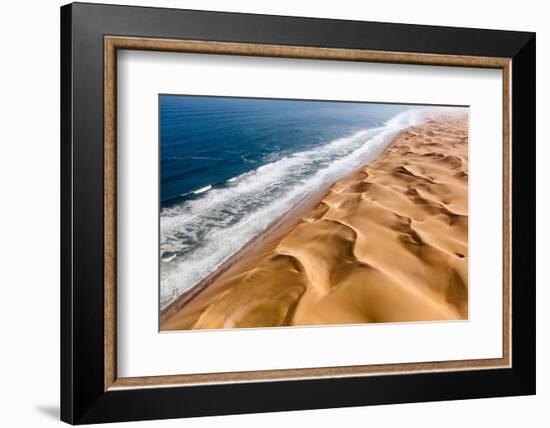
[[389, 243]]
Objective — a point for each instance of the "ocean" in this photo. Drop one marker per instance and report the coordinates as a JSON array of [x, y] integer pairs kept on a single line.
[[230, 167]]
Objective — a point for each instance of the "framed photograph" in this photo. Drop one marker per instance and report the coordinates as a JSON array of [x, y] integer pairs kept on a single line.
[[265, 213]]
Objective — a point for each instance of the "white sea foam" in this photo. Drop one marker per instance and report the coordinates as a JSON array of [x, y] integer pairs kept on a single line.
[[198, 235], [202, 190], [198, 191]]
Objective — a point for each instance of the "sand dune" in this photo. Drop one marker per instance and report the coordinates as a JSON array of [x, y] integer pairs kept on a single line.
[[389, 243]]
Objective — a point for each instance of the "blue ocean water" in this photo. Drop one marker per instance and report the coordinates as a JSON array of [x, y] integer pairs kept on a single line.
[[229, 167], [206, 141]]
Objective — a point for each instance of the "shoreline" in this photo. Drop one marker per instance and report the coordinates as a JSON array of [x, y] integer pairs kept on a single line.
[[288, 220], [269, 256], [273, 231]]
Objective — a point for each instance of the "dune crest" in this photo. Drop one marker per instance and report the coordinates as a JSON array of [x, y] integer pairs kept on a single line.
[[389, 243]]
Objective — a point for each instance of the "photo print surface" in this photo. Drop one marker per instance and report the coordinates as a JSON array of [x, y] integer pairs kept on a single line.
[[280, 212]]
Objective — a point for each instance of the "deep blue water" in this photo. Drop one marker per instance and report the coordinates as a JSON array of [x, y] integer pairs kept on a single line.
[[206, 141], [231, 166]]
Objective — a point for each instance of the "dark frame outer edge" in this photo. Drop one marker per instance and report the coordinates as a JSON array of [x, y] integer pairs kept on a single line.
[[524, 215], [66, 316], [83, 399]]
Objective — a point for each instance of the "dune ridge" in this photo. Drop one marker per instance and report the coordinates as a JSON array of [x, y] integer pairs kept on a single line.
[[388, 243]]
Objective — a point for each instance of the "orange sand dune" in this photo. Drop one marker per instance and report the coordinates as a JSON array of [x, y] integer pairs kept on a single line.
[[387, 244]]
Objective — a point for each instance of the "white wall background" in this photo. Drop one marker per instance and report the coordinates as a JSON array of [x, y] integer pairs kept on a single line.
[[29, 216]]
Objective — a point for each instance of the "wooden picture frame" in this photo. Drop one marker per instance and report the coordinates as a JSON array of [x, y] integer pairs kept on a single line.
[[91, 390]]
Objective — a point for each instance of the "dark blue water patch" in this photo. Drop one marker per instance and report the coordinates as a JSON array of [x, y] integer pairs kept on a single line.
[[206, 141]]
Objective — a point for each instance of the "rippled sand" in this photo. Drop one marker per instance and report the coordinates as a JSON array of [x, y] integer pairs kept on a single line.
[[387, 244]]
